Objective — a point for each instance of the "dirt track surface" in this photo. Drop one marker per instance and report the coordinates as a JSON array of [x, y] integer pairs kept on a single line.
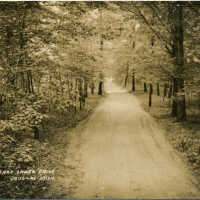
[[120, 152]]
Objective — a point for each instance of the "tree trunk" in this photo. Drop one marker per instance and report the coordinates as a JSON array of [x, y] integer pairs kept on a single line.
[[76, 84], [158, 89], [9, 35], [126, 77], [22, 43], [100, 89], [31, 81], [68, 85], [28, 82], [125, 81], [36, 132], [150, 99], [22, 81], [85, 88], [181, 111], [150, 94], [151, 88], [170, 91], [145, 87], [165, 90], [81, 95], [92, 88], [133, 82], [178, 106]]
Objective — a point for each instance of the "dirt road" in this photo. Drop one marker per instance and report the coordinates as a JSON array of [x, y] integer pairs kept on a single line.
[[122, 153]]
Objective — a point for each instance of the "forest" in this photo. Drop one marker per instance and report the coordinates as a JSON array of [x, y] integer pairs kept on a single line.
[[55, 58]]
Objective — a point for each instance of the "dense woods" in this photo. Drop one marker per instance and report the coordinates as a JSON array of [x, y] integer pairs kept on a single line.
[[47, 67], [166, 55], [55, 55], [45, 61]]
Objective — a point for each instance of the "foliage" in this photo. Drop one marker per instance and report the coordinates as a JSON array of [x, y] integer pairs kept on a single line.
[[153, 52], [51, 52]]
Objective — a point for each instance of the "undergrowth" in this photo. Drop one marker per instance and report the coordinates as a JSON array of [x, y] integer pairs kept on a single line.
[[28, 166], [184, 136]]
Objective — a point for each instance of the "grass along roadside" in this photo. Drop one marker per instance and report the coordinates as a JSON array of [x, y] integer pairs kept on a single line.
[[60, 137], [22, 153], [184, 136]]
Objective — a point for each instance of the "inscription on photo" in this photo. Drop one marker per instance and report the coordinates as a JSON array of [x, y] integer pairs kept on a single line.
[[31, 175]]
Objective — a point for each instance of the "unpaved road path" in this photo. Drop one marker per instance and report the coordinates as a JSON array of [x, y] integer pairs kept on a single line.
[[120, 152]]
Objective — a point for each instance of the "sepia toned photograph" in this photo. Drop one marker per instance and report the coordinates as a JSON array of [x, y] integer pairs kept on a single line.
[[99, 100]]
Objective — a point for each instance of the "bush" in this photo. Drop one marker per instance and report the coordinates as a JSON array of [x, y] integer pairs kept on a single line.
[[189, 145], [27, 155]]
